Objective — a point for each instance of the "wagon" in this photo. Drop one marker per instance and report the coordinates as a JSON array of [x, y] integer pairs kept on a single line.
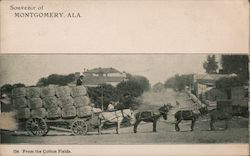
[[37, 126], [62, 108]]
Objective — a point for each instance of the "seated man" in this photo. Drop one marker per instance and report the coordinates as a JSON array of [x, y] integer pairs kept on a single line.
[[95, 110], [111, 106], [80, 81]]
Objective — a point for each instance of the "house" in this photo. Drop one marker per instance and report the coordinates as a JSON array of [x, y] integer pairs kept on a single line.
[[204, 82], [96, 76], [226, 98]]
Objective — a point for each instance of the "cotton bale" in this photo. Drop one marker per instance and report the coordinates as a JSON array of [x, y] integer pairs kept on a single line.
[[54, 112], [69, 112], [39, 112], [19, 92], [63, 91], [78, 91], [20, 102], [66, 101], [50, 102], [81, 101], [23, 113], [33, 92], [84, 111], [48, 91], [35, 103]]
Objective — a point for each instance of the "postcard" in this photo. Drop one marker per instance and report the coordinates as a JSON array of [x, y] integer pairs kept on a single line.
[[119, 77]]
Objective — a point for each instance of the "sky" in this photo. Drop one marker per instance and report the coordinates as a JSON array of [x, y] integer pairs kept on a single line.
[[28, 69]]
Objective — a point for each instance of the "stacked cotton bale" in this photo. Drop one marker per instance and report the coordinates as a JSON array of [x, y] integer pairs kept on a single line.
[[33, 95], [21, 103], [81, 101], [78, 91], [52, 102]]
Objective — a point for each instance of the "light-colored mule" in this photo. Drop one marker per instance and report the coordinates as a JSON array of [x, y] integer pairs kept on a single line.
[[115, 117]]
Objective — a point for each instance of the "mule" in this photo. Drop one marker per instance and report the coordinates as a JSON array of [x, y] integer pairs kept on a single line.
[[115, 117], [150, 116], [186, 115], [218, 115]]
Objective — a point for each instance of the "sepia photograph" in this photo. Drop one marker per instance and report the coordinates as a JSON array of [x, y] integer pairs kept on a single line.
[[115, 77], [124, 99]]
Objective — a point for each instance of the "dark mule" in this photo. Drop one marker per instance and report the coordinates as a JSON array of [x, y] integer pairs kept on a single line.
[[150, 116], [217, 115], [186, 115]]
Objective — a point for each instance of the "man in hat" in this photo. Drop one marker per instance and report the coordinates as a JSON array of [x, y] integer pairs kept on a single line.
[[80, 80], [111, 106], [95, 110]]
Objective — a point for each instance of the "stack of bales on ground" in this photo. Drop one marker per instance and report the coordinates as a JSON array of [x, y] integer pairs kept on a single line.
[[51, 102]]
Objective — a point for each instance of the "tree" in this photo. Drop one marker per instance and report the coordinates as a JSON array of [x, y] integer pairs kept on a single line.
[[129, 87], [128, 92], [56, 79], [6, 89], [103, 93], [170, 83], [125, 92], [17, 85], [178, 82], [141, 80], [237, 64], [210, 65]]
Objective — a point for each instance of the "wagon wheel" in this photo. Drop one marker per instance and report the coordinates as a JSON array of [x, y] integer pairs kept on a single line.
[[37, 126], [79, 127]]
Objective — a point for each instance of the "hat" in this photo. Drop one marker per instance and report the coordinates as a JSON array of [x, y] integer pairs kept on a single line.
[[82, 75]]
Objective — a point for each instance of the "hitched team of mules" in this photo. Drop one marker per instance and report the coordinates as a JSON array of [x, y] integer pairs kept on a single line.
[[65, 108]]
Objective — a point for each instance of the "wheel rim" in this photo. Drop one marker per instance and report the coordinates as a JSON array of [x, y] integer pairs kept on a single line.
[[79, 127], [36, 126]]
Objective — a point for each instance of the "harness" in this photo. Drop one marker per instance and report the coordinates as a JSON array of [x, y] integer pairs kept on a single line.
[[116, 115], [191, 114], [151, 115]]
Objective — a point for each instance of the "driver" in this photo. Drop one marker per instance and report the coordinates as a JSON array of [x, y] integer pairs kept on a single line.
[[111, 106]]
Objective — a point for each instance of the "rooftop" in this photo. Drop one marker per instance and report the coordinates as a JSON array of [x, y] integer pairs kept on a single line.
[[103, 70], [212, 77]]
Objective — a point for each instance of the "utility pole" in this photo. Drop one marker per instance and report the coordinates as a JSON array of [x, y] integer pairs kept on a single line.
[[102, 97]]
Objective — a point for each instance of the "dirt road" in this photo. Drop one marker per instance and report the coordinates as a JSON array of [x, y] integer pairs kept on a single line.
[[166, 134]]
